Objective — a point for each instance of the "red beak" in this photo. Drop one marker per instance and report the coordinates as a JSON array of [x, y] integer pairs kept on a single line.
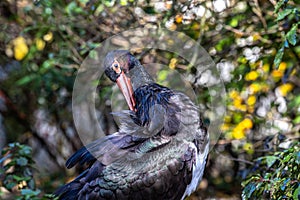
[[125, 86]]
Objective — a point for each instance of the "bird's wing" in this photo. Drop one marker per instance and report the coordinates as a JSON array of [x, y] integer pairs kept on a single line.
[[130, 138], [163, 173]]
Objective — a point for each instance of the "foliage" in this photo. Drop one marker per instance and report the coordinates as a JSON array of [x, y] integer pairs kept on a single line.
[[288, 14], [275, 176], [255, 45], [16, 172]]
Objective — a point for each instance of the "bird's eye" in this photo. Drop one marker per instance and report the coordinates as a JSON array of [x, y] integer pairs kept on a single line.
[[116, 67]]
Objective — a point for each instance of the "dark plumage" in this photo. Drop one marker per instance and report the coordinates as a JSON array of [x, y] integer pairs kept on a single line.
[[159, 151]]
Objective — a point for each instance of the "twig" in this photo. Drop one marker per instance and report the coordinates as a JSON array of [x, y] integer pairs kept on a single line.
[[241, 160], [258, 12]]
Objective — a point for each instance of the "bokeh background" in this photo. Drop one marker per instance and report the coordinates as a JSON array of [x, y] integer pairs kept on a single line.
[[255, 45]]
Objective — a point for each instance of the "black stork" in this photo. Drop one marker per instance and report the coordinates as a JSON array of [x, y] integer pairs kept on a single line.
[[159, 151]]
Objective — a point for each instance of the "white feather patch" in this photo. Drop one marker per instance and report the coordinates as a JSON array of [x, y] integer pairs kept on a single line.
[[198, 170]]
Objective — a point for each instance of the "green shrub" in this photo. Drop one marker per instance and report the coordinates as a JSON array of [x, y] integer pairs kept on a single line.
[[16, 166], [275, 176]]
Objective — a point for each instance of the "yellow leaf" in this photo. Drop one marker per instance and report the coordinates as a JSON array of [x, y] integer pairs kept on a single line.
[[247, 123], [254, 88], [285, 89], [256, 36], [48, 37], [250, 109], [233, 94], [225, 127], [248, 147], [20, 48], [251, 100], [178, 19], [277, 74], [173, 63], [282, 66], [251, 76], [238, 134], [266, 68], [227, 119], [40, 44], [237, 101]]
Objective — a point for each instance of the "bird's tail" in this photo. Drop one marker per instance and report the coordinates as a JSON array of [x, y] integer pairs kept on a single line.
[[69, 191]]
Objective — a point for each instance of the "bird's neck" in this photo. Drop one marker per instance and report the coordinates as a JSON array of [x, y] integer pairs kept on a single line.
[[139, 77], [149, 95]]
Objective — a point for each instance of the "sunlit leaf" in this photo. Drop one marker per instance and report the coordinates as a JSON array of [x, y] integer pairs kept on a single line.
[[123, 2], [248, 190], [283, 185], [271, 160], [278, 57], [162, 75], [279, 5], [283, 14], [71, 6], [48, 11], [292, 35], [109, 3], [234, 22], [296, 194], [99, 9]]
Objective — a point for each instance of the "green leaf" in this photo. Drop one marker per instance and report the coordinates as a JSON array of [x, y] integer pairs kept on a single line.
[[10, 185], [283, 14], [279, 5], [93, 54], [162, 75], [287, 158], [271, 160], [30, 192], [296, 193], [71, 7], [297, 157], [26, 79], [109, 3], [22, 161], [99, 9], [123, 2], [18, 178], [253, 178], [25, 150], [283, 185], [278, 57], [48, 11], [234, 22], [248, 190], [292, 35]]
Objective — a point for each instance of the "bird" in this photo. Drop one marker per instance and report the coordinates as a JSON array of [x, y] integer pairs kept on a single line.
[[159, 151]]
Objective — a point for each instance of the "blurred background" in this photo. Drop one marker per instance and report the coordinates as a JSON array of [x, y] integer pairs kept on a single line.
[[255, 45]]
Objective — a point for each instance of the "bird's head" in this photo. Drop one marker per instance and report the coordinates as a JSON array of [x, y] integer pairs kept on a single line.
[[124, 69], [118, 62], [118, 65]]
